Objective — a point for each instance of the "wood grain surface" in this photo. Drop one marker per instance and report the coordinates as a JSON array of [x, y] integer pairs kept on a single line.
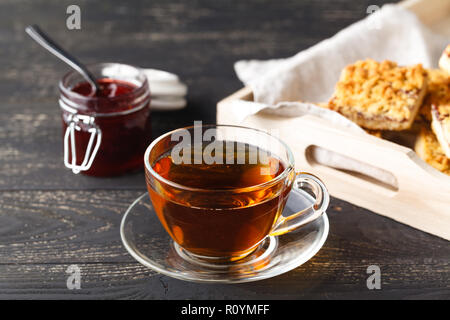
[[50, 219]]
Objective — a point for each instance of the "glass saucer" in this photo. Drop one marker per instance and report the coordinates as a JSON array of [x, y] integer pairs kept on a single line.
[[146, 240]]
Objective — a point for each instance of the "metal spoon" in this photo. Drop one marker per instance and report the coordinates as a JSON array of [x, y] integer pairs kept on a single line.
[[44, 40]]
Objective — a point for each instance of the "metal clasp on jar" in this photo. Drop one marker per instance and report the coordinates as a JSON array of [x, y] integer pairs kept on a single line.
[[69, 140]]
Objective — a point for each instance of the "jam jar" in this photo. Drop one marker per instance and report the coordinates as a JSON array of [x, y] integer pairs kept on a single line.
[[105, 133]]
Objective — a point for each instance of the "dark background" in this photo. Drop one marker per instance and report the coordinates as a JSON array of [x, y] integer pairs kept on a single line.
[[50, 219]]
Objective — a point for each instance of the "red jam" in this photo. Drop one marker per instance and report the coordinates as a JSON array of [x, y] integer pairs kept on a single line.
[[121, 112], [109, 88]]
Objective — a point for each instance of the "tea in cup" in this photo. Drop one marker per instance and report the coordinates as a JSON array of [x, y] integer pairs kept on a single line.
[[220, 190]]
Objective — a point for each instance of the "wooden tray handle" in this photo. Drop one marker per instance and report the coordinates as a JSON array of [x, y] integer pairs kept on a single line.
[[422, 196], [306, 131]]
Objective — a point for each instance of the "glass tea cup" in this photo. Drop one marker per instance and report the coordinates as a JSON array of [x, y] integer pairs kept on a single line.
[[220, 190]]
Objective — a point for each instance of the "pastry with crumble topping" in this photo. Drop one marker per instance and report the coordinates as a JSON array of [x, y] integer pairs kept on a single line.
[[436, 90], [376, 133], [429, 149], [436, 107], [444, 61], [380, 95]]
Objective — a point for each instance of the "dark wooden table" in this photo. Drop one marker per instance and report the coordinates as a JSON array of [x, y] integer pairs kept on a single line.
[[50, 218]]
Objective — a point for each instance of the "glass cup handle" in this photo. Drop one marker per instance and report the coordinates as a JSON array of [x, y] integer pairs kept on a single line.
[[69, 140], [302, 182]]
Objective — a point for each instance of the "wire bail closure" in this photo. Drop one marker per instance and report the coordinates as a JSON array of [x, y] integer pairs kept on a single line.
[[69, 138]]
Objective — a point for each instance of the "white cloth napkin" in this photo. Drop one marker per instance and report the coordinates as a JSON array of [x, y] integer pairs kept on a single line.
[[392, 33]]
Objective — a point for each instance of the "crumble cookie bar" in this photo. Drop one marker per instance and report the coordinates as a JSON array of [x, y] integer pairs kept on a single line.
[[380, 95], [376, 133], [437, 91], [424, 114], [436, 107], [428, 148], [441, 125], [444, 61]]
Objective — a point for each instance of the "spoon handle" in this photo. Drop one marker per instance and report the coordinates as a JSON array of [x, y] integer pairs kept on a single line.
[[45, 41]]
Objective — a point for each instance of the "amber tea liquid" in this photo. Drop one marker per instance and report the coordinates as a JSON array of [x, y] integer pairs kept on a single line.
[[214, 216]]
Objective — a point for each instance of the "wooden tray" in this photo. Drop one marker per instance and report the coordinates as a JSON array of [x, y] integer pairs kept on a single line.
[[421, 195]]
